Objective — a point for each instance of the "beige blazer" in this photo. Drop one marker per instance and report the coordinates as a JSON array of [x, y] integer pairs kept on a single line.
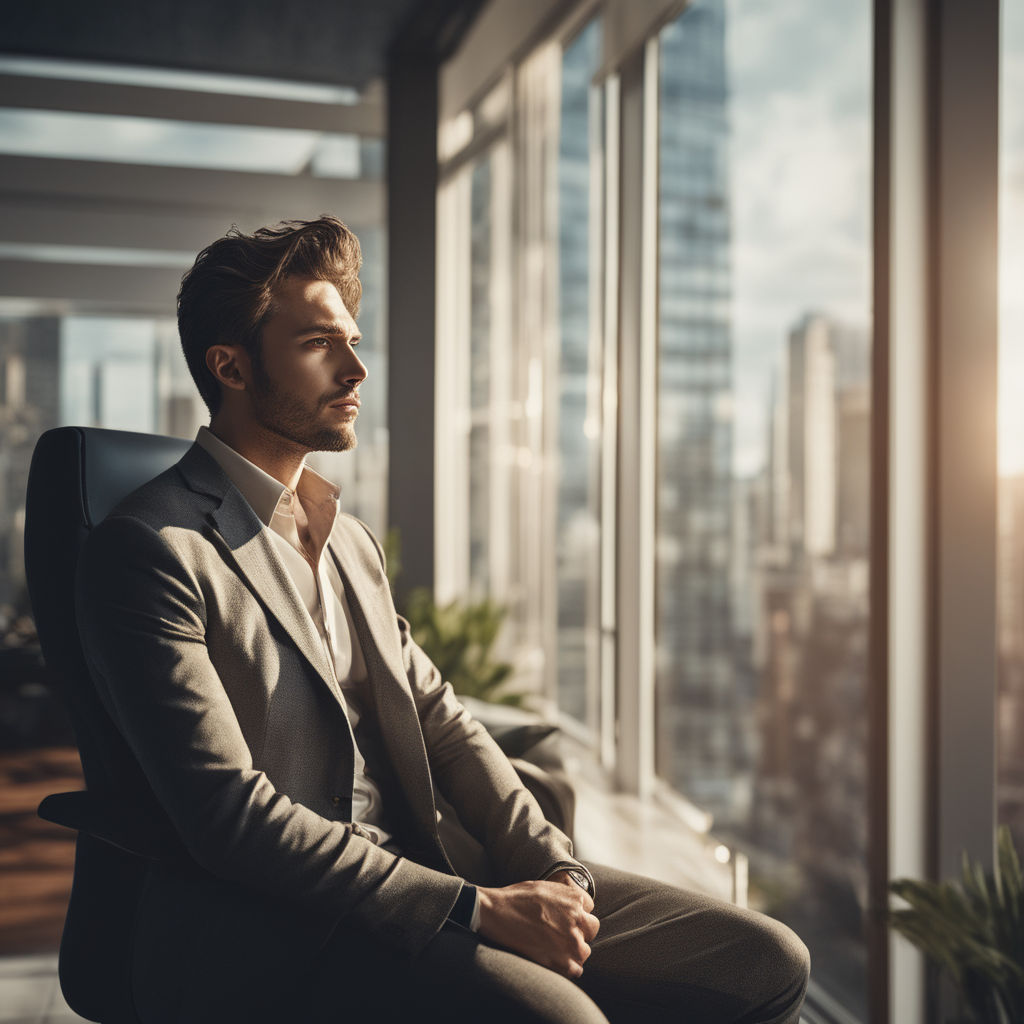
[[211, 668]]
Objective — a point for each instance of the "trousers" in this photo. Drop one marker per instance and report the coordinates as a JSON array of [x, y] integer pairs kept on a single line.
[[662, 954]]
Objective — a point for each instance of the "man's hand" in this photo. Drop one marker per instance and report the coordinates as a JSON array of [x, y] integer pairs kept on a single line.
[[549, 922]]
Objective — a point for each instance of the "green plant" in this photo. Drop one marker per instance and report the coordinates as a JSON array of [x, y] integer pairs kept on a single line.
[[973, 930], [459, 638]]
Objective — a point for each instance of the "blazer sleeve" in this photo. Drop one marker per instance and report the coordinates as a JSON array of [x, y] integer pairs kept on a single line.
[[475, 776], [142, 621]]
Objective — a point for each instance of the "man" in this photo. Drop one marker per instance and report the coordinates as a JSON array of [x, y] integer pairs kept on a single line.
[[241, 633]]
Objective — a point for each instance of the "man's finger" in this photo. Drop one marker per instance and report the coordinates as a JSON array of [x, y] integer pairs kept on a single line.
[[590, 926]]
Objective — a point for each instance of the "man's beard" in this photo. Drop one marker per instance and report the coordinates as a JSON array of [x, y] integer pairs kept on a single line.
[[291, 418]]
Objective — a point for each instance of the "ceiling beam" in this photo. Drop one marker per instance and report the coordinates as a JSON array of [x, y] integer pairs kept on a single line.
[[36, 93], [133, 226], [246, 196], [112, 225], [143, 290]]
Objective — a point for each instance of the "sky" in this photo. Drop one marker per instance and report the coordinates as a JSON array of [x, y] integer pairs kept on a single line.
[[800, 76], [800, 112]]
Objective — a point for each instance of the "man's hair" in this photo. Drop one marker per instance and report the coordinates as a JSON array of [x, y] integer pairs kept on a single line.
[[228, 294]]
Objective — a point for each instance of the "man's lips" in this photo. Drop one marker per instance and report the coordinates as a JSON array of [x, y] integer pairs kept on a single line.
[[352, 400]]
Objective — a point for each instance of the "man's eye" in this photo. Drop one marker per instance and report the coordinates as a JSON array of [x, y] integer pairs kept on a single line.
[[320, 342]]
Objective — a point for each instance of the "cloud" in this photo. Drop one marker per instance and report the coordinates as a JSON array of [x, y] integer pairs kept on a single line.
[[800, 157]]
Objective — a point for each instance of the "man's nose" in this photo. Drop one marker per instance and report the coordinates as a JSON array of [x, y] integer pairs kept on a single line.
[[352, 370]]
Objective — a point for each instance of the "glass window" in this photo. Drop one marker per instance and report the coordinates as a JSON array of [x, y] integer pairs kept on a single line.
[[577, 536], [480, 377], [1010, 562], [762, 452]]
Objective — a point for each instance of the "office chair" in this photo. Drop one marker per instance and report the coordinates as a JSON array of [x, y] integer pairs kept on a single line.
[[78, 474]]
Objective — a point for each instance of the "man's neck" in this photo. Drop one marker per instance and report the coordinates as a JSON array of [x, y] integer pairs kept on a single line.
[[274, 454]]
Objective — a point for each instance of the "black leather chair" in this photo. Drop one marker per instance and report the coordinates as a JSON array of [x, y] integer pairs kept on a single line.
[[78, 475]]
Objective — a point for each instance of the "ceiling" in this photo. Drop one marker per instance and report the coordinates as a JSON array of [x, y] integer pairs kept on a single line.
[[342, 42]]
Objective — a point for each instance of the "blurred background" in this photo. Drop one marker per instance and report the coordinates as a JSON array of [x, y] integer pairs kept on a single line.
[[685, 349]]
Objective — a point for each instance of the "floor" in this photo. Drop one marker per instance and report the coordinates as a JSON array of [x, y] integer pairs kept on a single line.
[[35, 879], [29, 992]]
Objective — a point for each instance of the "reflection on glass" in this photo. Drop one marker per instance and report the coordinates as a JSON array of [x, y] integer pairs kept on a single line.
[[1010, 562], [763, 459], [578, 513], [480, 378]]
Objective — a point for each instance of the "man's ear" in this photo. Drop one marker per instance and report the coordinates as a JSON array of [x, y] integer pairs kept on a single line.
[[229, 365]]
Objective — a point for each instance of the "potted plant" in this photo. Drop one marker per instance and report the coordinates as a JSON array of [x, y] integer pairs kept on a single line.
[[973, 932]]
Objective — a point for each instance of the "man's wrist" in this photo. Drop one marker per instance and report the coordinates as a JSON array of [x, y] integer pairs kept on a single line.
[[572, 870], [466, 912]]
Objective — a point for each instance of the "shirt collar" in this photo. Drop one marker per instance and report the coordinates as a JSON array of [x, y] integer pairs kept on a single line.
[[263, 493]]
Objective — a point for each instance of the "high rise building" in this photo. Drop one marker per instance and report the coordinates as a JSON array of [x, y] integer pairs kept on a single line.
[[853, 469], [697, 716], [811, 447]]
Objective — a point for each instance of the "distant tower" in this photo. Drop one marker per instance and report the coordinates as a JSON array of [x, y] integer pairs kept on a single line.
[[812, 437], [696, 693]]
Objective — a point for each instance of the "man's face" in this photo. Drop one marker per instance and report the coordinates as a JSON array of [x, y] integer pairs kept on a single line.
[[306, 374]]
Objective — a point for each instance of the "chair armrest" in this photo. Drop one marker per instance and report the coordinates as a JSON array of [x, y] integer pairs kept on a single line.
[[116, 822]]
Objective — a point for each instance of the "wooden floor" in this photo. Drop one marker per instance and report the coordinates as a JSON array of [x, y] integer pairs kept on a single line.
[[35, 857]]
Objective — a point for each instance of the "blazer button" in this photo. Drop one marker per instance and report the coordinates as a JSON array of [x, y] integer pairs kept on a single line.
[[335, 800]]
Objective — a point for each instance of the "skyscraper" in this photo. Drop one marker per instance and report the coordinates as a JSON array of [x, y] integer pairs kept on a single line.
[[697, 717], [812, 437]]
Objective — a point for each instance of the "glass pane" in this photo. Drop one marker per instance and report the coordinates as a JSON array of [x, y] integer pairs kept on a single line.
[[1010, 581], [579, 378], [480, 378], [763, 458]]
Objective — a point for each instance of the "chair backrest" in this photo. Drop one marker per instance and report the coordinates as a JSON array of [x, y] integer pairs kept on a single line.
[[78, 474]]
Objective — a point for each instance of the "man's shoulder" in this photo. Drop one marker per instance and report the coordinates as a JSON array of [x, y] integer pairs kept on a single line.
[[164, 522], [165, 501], [181, 496]]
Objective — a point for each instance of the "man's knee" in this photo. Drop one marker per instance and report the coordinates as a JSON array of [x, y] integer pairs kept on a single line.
[[781, 966]]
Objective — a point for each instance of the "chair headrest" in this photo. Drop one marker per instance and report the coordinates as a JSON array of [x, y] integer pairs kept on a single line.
[[78, 474], [96, 468]]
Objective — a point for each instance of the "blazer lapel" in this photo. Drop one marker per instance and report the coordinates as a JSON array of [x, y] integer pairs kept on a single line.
[[257, 560], [374, 619]]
